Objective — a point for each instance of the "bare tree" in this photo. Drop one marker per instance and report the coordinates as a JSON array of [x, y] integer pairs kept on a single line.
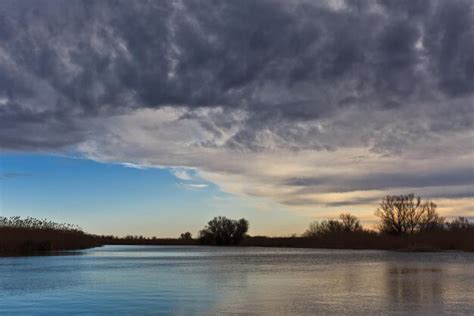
[[405, 214], [347, 223], [350, 223], [325, 227]]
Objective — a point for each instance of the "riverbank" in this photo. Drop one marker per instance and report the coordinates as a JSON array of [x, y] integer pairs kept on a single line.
[[435, 241], [33, 240], [430, 241], [24, 241], [462, 240], [21, 241], [18, 242]]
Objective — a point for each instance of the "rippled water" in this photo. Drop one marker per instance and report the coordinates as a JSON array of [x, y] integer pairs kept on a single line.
[[213, 280]]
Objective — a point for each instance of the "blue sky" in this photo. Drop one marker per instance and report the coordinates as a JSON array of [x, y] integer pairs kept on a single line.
[[117, 199]]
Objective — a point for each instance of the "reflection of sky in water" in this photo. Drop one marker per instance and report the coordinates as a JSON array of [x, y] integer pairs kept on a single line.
[[202, 280]]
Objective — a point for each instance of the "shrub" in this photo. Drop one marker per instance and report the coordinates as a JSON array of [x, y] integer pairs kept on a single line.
[[186, 236], [348, 223]]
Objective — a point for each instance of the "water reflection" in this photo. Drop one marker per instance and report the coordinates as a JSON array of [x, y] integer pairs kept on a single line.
[[45, 254], [417, 287], [26, 275], [210, 280]]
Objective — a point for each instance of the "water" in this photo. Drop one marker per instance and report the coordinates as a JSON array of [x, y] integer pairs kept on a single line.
[[153, 280]]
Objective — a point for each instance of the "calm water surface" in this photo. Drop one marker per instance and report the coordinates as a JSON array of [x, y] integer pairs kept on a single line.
[[155, 280]]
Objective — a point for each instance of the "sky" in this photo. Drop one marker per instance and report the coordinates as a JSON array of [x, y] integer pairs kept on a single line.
[[151, 117]]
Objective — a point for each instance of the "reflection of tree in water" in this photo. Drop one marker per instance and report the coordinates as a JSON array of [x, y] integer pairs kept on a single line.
[[415, 288], [226, 277], [275, 285]]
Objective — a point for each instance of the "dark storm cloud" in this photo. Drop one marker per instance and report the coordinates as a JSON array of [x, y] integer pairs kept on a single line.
[[450, 46], [24, 129], [63, 63], [384, 180]]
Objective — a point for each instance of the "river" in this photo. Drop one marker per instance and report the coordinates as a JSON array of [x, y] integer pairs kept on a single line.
[[157, 280]]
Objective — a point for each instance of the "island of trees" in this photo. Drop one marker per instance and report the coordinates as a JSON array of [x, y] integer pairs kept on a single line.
[[406, 222]]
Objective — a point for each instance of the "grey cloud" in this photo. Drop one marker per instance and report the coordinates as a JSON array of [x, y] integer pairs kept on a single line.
[[354, 201], [349, 202], [24, 129], [392, 76], [346, 202], [278, 61], [376, 200], [450, 46], [383, 180], [453, 195]]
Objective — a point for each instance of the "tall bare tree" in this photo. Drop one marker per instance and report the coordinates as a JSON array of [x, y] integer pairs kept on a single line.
[[407, 214]]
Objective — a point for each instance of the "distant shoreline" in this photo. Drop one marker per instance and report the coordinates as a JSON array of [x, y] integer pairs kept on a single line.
[[351, 241], [77, 251], [24, 236]]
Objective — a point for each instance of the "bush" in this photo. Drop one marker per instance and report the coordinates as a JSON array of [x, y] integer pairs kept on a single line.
[[459, 224], [348, 223], [186, 236]]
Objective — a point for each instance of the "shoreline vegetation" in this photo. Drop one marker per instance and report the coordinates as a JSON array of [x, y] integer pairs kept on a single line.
[[406, 224]]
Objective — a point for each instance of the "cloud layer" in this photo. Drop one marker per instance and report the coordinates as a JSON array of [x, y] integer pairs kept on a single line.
[[314, 104]]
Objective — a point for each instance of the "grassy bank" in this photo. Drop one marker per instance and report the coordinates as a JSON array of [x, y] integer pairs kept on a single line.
[[29, 241], [21, 240], [19, 236], [429, 241], [29, 236], [462, 240], [18, 240]]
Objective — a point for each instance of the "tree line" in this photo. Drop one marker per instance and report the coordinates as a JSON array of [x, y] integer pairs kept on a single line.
[[405, 221], [399, 215]]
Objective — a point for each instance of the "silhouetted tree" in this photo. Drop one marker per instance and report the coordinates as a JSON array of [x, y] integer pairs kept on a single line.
[[314, 229], [459, 224], [242, 227], [347, 223], [223, 231], [350, 223], [405, 214], [186, 236], [324, 227]]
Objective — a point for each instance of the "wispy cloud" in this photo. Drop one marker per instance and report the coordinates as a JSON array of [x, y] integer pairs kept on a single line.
[[193, 186], [182, 174], [13, 175], [197, 185], [133, 166]]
